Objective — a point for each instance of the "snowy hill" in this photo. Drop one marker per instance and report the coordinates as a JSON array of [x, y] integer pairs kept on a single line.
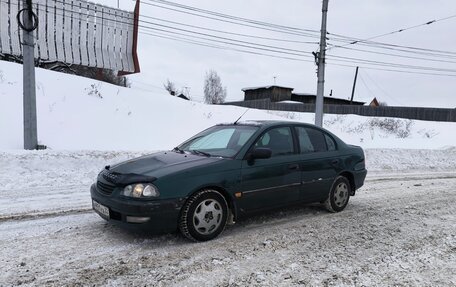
[[397, 230], [80, 113]]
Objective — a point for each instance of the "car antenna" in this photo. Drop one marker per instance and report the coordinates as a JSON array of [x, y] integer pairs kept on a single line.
[[241, 116]]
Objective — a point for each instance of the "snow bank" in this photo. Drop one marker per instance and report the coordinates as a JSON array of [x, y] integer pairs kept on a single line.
[[54, 168], [77, 113]]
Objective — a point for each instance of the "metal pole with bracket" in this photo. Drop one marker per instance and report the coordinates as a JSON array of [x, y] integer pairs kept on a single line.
[[28, 25], [321, 68]]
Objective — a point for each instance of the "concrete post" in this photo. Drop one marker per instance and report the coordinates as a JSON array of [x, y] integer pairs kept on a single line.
[[29, 89]]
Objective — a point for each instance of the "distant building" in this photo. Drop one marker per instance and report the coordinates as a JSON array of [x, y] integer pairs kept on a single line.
[[275, 93], [281, 94], [374, 103], [182, 96], [311, 99]]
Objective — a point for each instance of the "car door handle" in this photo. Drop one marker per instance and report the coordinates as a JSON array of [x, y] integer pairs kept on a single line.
[[334, 162], [293, 166]]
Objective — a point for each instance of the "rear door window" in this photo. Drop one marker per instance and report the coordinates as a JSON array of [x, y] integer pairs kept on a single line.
[[305, 143], [330, 143], [311, 140]]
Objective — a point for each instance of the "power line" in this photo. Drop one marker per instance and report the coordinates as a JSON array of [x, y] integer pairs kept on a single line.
[[273, 49], [245, 44], [296, 33], [388, 64], [367, 87], [147, 22], [230, 33], [393, 70], [381, 89], [408, 49], [221, 15], [294, 51], [294, 59], [180, 39], [397, 55], [396, 31]]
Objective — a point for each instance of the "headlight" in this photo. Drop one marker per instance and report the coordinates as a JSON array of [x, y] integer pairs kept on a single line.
[[150, 191], [140, 190]]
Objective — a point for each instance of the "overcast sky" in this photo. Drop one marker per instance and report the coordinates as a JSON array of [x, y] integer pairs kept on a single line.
[[186, 64]]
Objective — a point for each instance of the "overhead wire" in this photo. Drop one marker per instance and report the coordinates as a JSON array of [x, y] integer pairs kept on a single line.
[[392, 70], [381, 63], [230, 33], [398, 55], [406, 49], [212, 46], [269, 48], [367, 88], [199, 43], [395, 31], [240, 19], [219, 39], [381, 89], [382, 44], [290, 32]]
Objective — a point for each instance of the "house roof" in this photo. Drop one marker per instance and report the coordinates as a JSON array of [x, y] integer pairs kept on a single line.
[[304, 94], [266, 87], [182, 96]]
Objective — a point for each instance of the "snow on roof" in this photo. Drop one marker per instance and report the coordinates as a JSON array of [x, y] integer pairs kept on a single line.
[[265, 87], [290, 102]]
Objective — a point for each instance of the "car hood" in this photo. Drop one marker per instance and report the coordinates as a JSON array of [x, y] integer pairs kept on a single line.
[[162, 163]]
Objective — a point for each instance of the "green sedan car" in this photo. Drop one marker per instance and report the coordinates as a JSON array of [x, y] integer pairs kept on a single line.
[[227, 172]]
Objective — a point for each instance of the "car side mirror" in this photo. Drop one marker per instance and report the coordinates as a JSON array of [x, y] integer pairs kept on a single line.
[[259, 153]]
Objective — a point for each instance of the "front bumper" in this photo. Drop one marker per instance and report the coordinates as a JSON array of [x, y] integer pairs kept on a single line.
[[163, 214]]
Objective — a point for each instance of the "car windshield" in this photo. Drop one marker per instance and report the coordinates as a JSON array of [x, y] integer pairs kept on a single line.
[[224, 141]]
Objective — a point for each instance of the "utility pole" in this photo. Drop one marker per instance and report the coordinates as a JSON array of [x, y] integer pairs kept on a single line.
[[354, 85], [320, 57], [29, 90]]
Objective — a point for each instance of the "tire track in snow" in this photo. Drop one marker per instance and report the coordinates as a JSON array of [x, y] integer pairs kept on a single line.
[[392, 233]]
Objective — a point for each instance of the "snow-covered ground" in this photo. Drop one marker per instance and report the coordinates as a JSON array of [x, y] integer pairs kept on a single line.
[[48, 182], [399, 230]]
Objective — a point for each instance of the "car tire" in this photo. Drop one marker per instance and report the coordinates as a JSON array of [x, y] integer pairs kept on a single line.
[[338, 195], [204, 215]]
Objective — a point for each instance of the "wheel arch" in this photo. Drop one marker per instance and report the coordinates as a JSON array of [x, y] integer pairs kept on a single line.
[[228, 198], [351, 179]]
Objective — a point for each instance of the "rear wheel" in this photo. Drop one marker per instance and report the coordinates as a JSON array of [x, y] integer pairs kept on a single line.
[[204, 215], [338, 195]]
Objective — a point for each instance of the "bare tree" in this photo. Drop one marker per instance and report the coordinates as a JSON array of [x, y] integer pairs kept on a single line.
[[214, 93], [170, 87]]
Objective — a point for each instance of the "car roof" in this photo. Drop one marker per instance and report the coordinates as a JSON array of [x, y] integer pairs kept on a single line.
[[266, 123]]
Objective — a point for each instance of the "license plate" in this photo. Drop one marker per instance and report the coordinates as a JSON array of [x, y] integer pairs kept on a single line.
[[101, 209]]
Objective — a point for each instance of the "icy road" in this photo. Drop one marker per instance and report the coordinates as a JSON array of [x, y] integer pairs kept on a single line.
[[400, 229]]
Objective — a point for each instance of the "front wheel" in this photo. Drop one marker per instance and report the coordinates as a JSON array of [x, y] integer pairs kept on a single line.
[[204, 215], [338, 195]]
